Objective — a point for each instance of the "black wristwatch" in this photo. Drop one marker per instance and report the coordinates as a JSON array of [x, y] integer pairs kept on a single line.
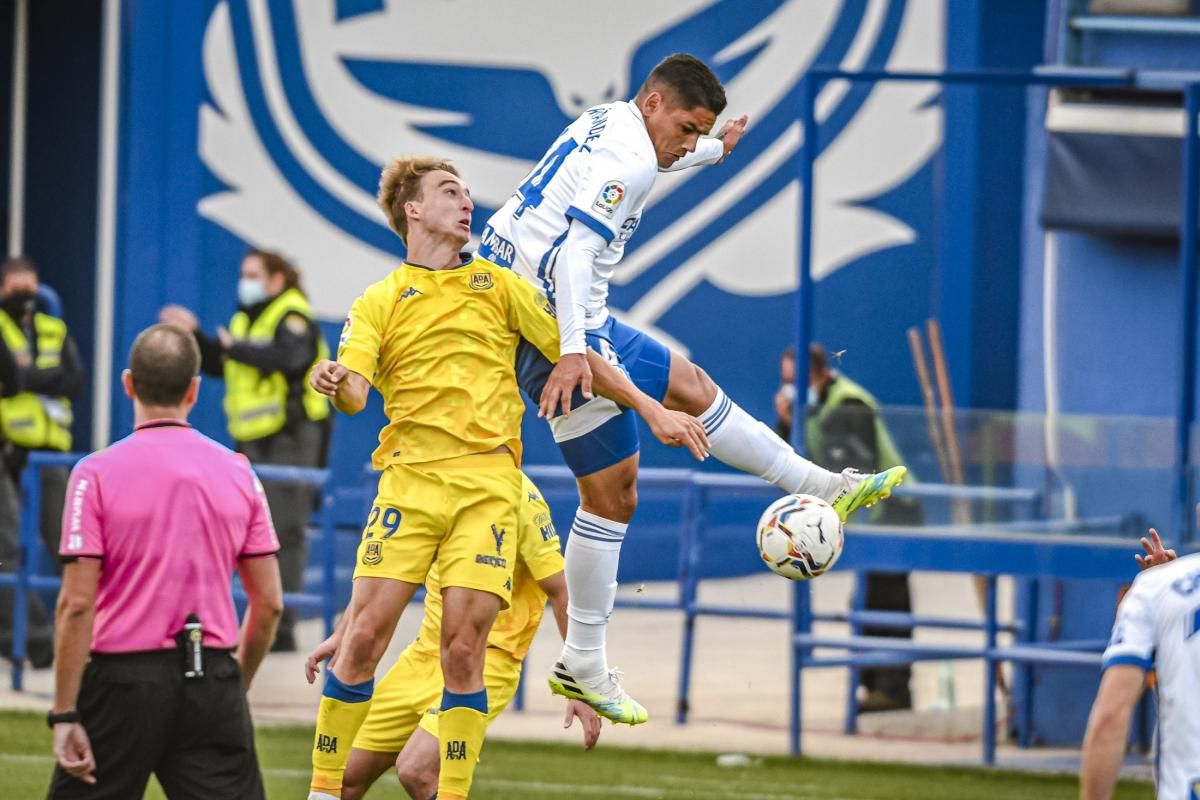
[[53, 719]]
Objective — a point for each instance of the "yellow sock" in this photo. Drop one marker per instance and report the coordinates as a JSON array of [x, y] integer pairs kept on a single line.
[[343, 709], [461, 727]]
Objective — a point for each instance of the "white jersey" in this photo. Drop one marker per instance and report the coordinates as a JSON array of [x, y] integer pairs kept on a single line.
[[1158, 624], [599, 173]]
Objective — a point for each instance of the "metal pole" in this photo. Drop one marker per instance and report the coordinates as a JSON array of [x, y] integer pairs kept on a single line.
[[690, 549], [106, 227], [31, 484], [16, 150], [989, 672], [801, 611], [1187, 265], [804, 290]]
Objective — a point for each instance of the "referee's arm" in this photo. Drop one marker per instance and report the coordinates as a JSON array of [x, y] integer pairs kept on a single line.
[[73, 619], [264, 596]]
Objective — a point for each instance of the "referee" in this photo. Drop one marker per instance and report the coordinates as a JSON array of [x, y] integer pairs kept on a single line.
[[153, 529]]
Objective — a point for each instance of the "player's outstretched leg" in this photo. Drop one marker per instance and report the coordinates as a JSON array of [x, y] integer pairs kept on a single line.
[[609, 497], [582, 672], [741, 441]]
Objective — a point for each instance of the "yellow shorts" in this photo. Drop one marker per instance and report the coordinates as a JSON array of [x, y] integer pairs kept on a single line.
[[461, 512], [411, 694]]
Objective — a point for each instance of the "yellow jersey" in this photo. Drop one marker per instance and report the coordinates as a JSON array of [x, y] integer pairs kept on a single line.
[[538, 557], [440, 346]]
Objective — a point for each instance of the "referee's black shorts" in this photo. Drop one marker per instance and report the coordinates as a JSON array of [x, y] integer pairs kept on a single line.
[[142, 716]]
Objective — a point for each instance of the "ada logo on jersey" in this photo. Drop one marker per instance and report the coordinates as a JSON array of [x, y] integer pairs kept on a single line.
[[481, 281], [611, 195], [373, 554]]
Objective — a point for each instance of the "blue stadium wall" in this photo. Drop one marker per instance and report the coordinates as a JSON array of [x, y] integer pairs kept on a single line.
[[265, 124], [233, 132]]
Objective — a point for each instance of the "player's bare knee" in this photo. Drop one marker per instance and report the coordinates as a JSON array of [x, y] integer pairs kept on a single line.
[[362, 647], [462, 658], [691, 390], [615, 500]]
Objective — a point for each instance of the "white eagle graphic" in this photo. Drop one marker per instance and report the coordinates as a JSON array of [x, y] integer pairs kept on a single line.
[[306, 107]]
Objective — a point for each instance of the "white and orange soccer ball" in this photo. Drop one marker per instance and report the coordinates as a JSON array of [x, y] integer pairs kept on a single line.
[[800, 537]]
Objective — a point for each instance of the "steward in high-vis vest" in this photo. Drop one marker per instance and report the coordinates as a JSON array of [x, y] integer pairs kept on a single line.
[[275, 417], [845, 429], [29, 419], [45, 376]]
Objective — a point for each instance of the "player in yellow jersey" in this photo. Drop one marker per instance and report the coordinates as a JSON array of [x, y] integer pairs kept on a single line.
[[437, 338], [401, 728]]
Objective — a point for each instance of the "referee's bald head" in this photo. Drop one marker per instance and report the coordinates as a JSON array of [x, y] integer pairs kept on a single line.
[[162, 363]]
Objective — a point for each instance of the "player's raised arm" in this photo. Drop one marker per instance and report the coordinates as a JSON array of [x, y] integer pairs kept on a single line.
[[712, 150]]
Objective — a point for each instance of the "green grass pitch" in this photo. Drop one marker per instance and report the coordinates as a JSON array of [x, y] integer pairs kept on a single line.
[[531, 771]]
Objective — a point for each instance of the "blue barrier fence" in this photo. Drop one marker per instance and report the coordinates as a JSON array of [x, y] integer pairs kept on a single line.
[[1056, 549]]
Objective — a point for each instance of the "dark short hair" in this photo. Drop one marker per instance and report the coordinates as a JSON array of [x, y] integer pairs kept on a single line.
[[690, 80], [163, 361], [16, 265], [817, 360]]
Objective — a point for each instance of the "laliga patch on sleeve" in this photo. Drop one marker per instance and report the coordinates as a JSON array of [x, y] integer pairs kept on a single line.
[[295, 323], [345, 335], [609, 199]]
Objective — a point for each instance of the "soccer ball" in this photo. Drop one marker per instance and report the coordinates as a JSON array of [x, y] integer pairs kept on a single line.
[[800, 536]]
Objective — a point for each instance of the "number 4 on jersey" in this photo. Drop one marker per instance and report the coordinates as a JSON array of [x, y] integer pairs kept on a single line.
[[531, 189]]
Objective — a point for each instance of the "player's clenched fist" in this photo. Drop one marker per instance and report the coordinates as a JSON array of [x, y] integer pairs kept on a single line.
[[327, 376]]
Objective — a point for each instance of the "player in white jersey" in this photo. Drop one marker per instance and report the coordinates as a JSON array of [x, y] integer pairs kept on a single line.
[[565, 229], [1158, 626]]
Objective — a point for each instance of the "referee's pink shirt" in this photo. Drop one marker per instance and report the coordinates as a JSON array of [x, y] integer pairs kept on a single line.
[[169, 511]]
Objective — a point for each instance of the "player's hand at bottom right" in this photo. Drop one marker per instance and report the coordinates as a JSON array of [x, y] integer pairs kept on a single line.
[[677, 429], [588, 719]]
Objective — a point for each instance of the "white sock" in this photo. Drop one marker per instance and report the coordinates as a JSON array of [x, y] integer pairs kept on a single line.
[[741, 441], [593, 552]]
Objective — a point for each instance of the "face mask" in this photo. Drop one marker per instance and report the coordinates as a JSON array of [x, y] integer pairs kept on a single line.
[[18, 304], [251, 291], [814, 398]]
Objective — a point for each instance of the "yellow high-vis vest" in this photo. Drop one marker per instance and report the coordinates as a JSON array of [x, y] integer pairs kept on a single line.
[[29, 420], [256, 403]]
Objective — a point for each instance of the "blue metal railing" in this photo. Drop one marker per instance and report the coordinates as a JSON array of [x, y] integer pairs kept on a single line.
[[970, 549]]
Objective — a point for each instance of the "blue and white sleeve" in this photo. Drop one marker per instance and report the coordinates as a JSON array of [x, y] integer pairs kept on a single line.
[[1132, 641]]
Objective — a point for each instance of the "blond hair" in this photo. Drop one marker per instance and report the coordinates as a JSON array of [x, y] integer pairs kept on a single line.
[[400, 182]]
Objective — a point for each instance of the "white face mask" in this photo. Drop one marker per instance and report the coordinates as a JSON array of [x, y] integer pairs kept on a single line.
[[251, 291], [813, 396]]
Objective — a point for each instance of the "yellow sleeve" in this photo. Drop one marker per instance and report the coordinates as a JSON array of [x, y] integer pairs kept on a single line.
[[537, 543], [358, 347], [531, 314]]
